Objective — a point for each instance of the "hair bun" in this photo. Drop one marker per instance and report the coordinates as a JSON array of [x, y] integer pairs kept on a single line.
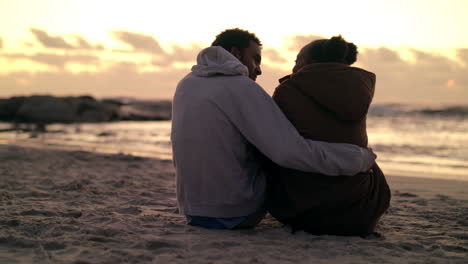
[[335, 49], [351, 55]]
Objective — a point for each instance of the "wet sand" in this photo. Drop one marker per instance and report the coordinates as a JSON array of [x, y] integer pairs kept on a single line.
[[61, 206]]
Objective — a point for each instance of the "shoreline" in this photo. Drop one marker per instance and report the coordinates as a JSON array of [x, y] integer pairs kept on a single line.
[[61, 206], [166, 156]]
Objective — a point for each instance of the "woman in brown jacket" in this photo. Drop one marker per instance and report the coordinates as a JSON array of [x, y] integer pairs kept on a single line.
[[326, 99]]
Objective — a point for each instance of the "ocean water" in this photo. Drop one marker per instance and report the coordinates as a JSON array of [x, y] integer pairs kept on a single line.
[[420, 145], [409, 141]]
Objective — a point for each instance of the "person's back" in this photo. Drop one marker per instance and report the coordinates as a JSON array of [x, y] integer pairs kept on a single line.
[[328, 100], [206, 143], [332, 96], [220, 119]]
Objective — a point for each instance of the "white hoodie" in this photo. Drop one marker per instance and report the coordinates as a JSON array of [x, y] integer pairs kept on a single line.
[[220, 117]]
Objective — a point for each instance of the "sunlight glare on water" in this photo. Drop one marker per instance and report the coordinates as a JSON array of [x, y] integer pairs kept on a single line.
[[406, 145]]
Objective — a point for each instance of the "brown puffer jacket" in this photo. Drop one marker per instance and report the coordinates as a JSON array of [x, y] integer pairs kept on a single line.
[[328, 102]]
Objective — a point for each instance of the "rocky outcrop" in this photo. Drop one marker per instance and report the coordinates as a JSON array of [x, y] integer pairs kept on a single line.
[[9, 107], [146, 110], [48, 109]]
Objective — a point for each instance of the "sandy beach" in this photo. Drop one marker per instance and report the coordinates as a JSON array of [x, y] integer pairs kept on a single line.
[[61, 206]]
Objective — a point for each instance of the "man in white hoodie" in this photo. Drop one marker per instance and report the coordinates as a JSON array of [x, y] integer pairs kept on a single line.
[[220, 119]]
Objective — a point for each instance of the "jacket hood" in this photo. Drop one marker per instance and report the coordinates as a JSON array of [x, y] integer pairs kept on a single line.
[[218, 61], [344, 90]]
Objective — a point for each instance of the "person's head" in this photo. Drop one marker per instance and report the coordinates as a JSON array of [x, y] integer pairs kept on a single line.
[[243, 45], [335, 49]]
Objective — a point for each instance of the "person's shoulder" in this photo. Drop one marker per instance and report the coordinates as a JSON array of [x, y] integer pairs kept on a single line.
[[240, 82], [363, 72], [185, 79], [237, 88]]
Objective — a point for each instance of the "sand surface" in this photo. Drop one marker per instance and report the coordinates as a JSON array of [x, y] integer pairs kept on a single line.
[[80, 207]]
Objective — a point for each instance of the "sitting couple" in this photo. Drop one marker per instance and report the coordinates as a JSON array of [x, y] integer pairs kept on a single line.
[[300, 155]]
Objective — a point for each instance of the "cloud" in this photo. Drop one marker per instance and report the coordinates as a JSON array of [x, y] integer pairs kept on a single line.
[[59, 42], [427, 78], [161, 62], [433, 62], [83, 44], [462, 78], [296, 42], [178, 54], [381, 54], [462, 54], [148, 44], [123, 79], [28, 44], [184, 54], [50, 41], [55, 60], [139, 42], [273, 55]]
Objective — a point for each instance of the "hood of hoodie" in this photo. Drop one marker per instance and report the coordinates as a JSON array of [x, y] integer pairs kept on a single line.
[[218, 61], [346, 91]]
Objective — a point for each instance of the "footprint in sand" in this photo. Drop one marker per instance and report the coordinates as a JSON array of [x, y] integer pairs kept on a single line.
[[164, 247], [405, 194], [443, 197], [73, 214], [13, 222], [130, 210], [53, 245], [158, 244]]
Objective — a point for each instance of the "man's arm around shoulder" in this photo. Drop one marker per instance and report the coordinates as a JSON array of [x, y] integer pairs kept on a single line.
[[264, 125]]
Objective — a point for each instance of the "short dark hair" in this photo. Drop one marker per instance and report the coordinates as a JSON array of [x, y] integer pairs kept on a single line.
[[235, 38], [336, 49]]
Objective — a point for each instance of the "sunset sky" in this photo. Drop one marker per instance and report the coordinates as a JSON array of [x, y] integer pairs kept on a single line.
[[141, 49]]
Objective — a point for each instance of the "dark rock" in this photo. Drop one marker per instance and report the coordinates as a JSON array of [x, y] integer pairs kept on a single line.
[[9, 107], [46, 110], [145, 110], [40, 110]]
